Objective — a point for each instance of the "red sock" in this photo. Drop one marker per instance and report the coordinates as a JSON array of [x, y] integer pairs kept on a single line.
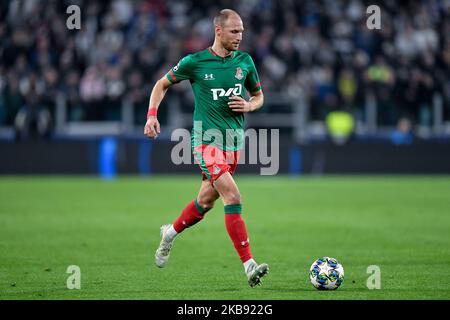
[[238, 234], [188, 217]]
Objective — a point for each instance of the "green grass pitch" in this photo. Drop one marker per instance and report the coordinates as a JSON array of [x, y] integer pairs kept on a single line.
[[111, 230]]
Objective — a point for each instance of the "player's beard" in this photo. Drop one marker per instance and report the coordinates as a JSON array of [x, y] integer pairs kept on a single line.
[[229, 46]]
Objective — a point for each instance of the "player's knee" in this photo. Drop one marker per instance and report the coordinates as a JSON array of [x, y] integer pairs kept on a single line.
[[233, 198], [206, 203]]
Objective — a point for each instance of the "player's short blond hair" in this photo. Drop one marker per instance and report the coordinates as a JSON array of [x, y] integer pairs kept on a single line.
[[223, 16]]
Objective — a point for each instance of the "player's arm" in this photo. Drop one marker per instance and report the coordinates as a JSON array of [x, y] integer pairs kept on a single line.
[[182, 71], [253, 86], [238, 104], [152, 127]]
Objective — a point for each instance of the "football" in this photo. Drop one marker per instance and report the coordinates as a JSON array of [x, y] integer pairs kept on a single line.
[[326, 274]]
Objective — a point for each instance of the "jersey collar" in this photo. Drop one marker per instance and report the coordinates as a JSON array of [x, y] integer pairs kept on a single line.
[[231, 56]]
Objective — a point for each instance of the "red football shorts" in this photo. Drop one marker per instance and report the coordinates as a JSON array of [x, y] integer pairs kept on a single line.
[[214, 162]]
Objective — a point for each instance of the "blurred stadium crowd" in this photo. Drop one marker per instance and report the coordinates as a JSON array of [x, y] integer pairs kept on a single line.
[[320, 49]]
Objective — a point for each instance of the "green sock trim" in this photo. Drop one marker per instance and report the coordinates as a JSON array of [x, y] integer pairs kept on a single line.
[[199, 208], [233, 208]]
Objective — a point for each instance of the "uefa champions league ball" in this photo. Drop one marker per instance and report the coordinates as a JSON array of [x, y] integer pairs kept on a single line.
[[326, 274]]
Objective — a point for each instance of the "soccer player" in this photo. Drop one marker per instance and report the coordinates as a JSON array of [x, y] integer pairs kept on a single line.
[[217, 75]]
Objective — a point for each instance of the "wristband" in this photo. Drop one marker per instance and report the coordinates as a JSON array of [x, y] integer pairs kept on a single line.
[[152, 112]]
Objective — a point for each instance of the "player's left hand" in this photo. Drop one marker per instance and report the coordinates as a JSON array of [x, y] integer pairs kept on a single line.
[[238, 104]]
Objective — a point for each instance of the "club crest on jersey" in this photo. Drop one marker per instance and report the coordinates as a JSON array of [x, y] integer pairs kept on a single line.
[[239, 74], [209, 76]]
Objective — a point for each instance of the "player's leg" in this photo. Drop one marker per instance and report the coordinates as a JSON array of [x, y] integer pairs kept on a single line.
[[191, 214], [197, 208], [231, 197], [207, 196]]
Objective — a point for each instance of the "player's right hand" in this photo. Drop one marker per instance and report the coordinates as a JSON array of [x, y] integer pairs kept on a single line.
[[152, 128]]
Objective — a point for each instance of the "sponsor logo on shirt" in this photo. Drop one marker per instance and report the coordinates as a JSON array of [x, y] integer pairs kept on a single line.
[[220, 92], [209, 76]]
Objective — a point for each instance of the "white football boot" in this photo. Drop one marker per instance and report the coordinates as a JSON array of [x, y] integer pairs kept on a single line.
[[255, 272], [163, 251]]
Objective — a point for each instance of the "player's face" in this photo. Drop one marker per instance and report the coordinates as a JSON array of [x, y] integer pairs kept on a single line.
[[231, 35]]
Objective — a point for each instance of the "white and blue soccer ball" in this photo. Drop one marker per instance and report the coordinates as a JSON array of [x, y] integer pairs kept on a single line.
[[326, 273]]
